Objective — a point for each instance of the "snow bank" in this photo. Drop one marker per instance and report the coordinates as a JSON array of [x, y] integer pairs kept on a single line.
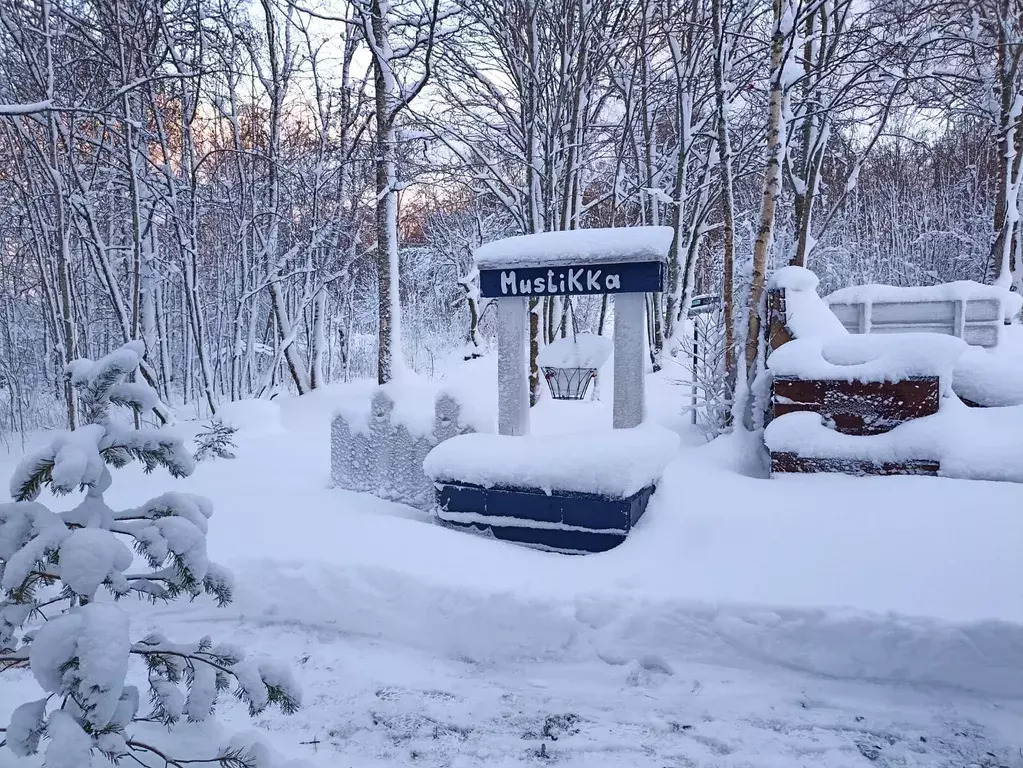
[[580, 246], [962, 290], [868, 358], [585, 350], [969, 443], [806, 313], [988, 379], [412, 406], [614, 463], [252, 417]]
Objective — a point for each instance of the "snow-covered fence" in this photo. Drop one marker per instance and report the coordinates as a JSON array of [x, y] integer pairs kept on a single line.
[[380, 450], [975, 313]]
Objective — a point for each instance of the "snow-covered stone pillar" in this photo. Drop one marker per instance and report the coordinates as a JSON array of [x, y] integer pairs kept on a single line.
[[629, 401], [512, 366]]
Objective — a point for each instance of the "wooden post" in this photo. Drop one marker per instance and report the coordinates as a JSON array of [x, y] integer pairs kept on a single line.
[[512, 366], [629, 336]]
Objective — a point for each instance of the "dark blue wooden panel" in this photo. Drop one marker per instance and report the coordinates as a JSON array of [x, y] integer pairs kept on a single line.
[[523, 505], [564, 540], [595, 512], [461, 498], [576, 280], [637, 505], [531, 505]]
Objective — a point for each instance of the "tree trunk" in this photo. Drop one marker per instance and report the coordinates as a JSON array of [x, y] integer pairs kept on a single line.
[[772, 187]]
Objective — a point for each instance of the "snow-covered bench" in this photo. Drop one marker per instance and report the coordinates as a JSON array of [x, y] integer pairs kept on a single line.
[[971, 311], [572, 493]]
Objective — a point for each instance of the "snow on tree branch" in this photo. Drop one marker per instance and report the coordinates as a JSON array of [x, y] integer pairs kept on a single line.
[[82, 655]]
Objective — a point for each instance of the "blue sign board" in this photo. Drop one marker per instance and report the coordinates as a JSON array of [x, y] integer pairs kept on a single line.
[[578, 280]]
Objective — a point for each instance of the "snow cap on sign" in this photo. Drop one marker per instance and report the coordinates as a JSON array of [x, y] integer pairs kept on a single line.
[[617, 245], [586, 350]]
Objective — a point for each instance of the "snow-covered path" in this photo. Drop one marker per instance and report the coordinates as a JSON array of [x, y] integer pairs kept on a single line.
[[576, 695]]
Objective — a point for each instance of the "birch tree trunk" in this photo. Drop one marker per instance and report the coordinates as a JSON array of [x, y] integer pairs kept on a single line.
[[771, 189]]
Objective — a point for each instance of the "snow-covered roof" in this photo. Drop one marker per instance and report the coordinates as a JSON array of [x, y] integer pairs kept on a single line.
[[615, 463], [617, 245], [886, 357], [586, 350]]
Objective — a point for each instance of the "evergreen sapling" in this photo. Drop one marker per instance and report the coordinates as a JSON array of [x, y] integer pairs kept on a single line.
[[216, 441], [54, 567]]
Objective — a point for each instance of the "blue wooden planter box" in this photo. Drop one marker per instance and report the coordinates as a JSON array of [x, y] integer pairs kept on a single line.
[[562, 521]]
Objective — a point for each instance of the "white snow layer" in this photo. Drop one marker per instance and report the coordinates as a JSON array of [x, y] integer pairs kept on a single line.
[[414, 400], [962, 290], [88, 556], [988, 378], [96, 635], [613, 245], [69, 746], [806, 313], [615, 463], [868, 358], [969, 443], [584, 350], [253, 416]]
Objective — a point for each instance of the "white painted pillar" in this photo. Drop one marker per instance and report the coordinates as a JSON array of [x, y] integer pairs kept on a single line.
[[630, 347], [512, 366]]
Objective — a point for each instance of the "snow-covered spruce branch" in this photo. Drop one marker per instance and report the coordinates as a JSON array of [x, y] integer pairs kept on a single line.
[[81, 655]]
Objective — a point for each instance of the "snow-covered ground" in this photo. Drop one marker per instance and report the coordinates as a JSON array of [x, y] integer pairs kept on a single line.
[[801, 621]]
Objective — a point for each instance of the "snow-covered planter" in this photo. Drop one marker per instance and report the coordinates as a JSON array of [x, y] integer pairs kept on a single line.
[[573, 493], [571, 363], [379, 447], [59, 571], [859, 386]]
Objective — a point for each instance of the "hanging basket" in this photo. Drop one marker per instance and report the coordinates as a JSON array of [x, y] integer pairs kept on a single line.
[[569, 383], [571, 363]]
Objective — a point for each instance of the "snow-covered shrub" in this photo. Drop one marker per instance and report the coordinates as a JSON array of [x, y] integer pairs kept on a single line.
[[59, 571], [215, 440]]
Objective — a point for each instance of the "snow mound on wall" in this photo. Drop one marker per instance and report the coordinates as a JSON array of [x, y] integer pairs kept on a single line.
[[988, 379], [795, 279], [969, 443], [252, 417], [585, 350], [414, 397], [962, 290], [853, 357], [612, 245], [615, 463], [806, 313]]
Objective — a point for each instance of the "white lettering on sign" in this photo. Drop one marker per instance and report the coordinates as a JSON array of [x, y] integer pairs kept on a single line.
[[573, 279], [570, 280], [508, 282]]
